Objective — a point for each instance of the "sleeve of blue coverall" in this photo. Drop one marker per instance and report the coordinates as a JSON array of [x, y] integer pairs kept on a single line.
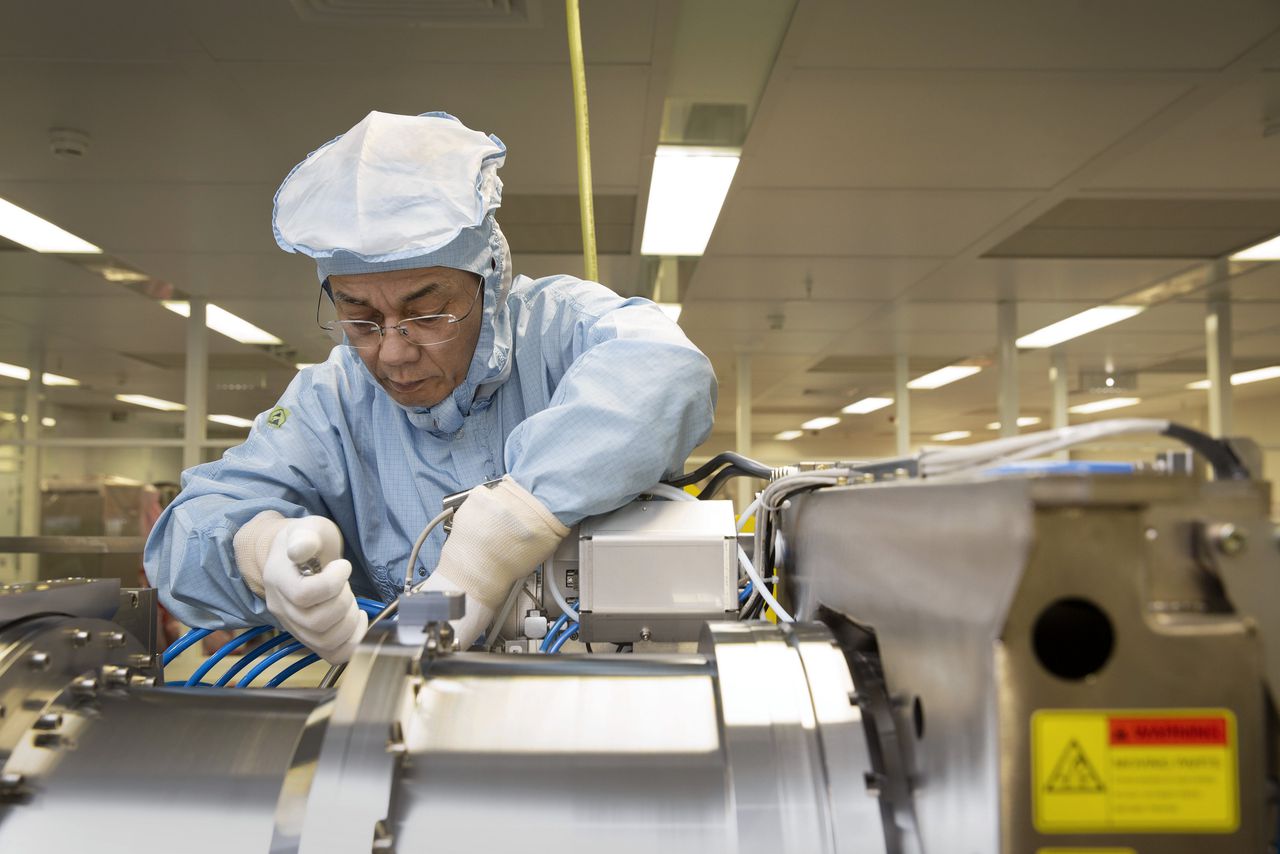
[[634, 398], [291, 469]]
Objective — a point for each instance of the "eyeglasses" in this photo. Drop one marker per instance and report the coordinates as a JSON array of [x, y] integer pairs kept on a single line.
[[426, 330]]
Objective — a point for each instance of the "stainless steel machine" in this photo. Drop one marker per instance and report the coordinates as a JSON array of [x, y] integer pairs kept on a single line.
[[1011, 664]]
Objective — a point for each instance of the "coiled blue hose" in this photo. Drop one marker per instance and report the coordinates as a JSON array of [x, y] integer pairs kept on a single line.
[[250, 656], [292, 669], [176, 648], [203, 669], [271, 659], [564, 637]]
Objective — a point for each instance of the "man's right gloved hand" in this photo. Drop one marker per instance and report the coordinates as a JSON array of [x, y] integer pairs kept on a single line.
[[319, 609]]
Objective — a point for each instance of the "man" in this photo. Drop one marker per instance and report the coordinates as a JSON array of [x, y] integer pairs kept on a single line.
[[451, 373]]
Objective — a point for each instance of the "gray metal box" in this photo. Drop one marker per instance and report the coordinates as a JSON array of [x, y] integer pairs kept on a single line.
[[657, 570]]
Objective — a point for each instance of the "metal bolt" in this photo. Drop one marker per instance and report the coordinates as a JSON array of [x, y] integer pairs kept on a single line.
[[47, 739], [114, 676], [645, 633], [1229, 539], [48, 722], [137, 681], [79, 637], [12, 785], [383, 840], [140, 660], [113, 638], [38, 661], [85, 687]]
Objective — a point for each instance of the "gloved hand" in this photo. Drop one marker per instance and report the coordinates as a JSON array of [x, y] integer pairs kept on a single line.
[[500, 534], [319, 609]]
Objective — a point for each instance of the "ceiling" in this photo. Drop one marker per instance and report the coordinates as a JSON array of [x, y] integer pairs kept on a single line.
[[905, 168]]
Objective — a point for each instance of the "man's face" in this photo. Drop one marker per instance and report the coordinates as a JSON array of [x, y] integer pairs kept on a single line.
[[411, 374]]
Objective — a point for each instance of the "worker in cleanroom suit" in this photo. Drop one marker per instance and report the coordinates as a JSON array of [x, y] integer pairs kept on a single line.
[[452, 373]]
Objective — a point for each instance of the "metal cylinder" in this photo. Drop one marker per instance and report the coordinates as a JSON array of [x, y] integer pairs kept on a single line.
[[753, 744]]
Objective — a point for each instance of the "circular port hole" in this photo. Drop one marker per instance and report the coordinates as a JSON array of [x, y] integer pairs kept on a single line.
[[1073, 638]]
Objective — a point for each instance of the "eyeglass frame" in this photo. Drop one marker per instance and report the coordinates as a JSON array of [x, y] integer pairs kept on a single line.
[[326, 290]]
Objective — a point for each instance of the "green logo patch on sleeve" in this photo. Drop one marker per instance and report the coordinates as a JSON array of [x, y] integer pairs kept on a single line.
[[277, 416]]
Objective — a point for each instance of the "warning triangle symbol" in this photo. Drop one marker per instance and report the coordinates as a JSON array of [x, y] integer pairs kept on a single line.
[[1074, 773]]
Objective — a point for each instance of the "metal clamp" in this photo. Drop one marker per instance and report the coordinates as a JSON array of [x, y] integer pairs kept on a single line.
[[425, 617]]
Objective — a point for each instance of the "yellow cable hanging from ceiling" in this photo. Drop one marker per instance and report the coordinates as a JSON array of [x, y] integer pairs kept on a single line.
[[585, 201]]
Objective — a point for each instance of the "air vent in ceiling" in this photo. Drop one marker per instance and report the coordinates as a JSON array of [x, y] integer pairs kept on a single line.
[[1144, 228], [506, 14]]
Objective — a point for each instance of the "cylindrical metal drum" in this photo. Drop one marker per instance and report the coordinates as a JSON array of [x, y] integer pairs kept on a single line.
[[753, 744]]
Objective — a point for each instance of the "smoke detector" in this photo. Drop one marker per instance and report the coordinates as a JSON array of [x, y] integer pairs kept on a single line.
[[68, 143]]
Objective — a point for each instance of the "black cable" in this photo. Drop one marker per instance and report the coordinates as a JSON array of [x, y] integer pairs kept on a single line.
[[752, 467], [589, 649], [1226, 465], [722, 477]]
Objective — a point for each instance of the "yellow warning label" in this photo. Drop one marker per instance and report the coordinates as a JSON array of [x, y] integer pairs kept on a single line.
[[1137, 771]]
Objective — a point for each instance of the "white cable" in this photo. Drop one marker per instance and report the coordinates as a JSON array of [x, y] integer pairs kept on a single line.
[[549, 579], [669, 492], [1033, 445], [762, 588], [417, 546], [746, 514]]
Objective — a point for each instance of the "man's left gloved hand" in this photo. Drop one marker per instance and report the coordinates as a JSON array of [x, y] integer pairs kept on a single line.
[[500, 534]]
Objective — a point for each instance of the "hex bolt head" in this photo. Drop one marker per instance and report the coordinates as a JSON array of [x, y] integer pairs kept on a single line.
[[79, 637], [38, 660], [113, 639], [114, 676], [646, 633], [47, 739], [1229, 539], [47, 722], [85, 687]]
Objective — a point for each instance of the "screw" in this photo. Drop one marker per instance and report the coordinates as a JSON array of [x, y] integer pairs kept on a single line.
[[140, 660], [12, 785], [1229, 539], [48, 722], [79, 637], [38, 661], [645, 633], [47, 739], [115, 677], [85, 687], [113, 638]]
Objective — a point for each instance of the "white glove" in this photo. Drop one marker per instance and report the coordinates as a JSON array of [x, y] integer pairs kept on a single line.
[[500, 534], [319, 609]]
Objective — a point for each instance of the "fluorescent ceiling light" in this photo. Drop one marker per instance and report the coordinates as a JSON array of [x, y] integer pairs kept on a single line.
[[223, 321], [943, 376], [1024, 421], [867, 404], [788, 435], [1267, 250], [18, 372], [952, 436], [671, 310], [232, 421], [1104, 405], [1244, 377], [1077, 325], [685, 195], [31, 231], [55, 379], [152, 402], [820, 423]]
